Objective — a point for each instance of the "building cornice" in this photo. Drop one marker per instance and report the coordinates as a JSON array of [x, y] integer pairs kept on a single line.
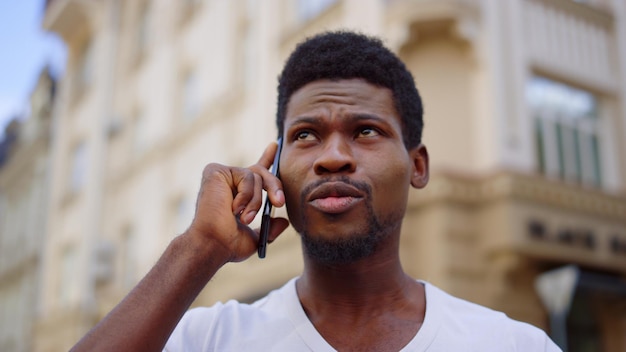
[[65, 17], [526, 216], [591, 13], [472, 190]]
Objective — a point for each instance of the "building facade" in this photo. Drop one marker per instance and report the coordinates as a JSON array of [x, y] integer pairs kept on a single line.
[[525, 123], [23, 206]]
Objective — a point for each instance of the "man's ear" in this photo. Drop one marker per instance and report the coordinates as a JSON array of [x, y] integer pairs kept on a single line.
[[420, 173]]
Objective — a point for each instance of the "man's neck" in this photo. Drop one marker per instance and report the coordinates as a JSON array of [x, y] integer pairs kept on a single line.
[[342, 299], [367, 282]]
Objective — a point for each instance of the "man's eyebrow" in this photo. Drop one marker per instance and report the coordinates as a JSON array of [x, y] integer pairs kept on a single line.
[[365, 116], [353, 117], [305, 120]]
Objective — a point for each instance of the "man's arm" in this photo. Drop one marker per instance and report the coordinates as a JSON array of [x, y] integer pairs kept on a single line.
[[145, 319], [227, 202]]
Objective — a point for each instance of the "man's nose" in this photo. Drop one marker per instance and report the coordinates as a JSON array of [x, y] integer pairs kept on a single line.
[[336, 156]]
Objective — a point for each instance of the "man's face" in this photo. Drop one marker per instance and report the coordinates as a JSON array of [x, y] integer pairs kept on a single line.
[[345, 169]]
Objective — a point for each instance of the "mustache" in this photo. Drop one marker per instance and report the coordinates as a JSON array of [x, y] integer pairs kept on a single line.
[[361, 186]]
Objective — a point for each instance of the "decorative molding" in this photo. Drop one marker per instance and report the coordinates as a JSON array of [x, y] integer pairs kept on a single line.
[[65, 16], [590, 13], [408, 25], [448, 187]]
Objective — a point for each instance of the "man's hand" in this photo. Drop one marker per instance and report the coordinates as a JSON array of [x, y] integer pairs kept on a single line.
[[228, 202], [229, 199]]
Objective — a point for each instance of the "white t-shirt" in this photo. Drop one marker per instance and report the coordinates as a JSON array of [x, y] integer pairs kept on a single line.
[[277, 322]]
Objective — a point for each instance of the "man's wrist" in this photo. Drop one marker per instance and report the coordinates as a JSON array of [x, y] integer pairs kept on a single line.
[[201, 251]]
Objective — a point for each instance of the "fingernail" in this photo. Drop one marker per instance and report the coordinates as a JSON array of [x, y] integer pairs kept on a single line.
[[280, 196], [249, 216]]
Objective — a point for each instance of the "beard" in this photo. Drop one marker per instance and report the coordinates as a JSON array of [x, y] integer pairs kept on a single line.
[[360, 243]]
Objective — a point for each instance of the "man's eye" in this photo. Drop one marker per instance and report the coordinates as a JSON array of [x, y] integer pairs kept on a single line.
[[304, 136], [368, 132]]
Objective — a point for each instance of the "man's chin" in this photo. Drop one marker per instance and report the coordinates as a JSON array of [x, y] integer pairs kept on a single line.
[[340, 249]]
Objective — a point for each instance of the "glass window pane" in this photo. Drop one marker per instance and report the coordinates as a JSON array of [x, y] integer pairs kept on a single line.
[[191, 105], [595, 157], [85, 66], [566, 119], [540, 146], [79, 167], [573, 103], [68, 289], [568, 153], [142, 137], [128, 257]]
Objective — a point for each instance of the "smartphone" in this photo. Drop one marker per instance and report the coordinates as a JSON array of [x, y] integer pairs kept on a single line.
[[267, 208]]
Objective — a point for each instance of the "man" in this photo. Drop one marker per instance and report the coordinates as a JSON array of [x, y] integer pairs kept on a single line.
[[351, 120]]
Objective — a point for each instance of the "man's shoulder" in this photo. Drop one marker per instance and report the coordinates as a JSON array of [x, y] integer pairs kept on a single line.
[[458, 317], [272, 303], [222, 325], [459, 307]]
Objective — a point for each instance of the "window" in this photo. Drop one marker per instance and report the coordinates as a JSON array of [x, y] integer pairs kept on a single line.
[[308, 9], [143, 35], [128, 257], [84, 69], [191, 95], [68, 287], [184, 211], [85, 65], [566, 131], [584, 333], [79, 168], [141, 133]]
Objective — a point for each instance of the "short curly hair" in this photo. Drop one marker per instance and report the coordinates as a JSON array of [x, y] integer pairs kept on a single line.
[[345, 55]]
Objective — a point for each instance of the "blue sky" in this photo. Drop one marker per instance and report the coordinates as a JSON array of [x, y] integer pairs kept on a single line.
[[25, 48]]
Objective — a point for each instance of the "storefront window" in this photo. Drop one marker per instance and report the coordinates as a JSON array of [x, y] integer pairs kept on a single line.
[[566, 131], [583, 333]]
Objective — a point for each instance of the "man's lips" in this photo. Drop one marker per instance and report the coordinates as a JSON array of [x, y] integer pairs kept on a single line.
[[335, 197]]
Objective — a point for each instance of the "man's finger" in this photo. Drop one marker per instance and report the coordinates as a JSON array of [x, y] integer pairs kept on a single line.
[[254, 204], [271, 184], [267, 158]]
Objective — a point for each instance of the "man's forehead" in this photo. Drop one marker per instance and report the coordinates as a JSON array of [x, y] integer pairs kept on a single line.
[[349, 92], [348, 85]]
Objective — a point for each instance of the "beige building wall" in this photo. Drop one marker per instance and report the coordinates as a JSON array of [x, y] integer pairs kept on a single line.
[[155, 90], [23, 205]]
